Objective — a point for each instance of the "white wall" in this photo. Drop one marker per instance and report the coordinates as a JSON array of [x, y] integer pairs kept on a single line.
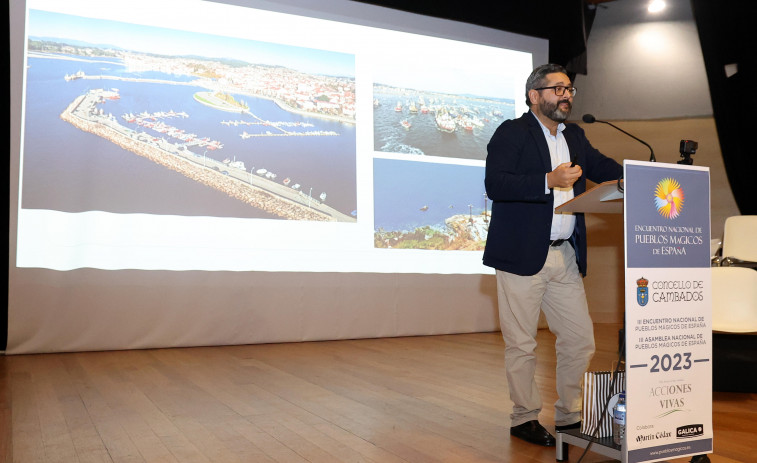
[[642, 66], [649, 73]]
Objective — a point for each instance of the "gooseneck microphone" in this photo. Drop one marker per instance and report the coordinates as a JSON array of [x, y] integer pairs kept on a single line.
[[589, 119]]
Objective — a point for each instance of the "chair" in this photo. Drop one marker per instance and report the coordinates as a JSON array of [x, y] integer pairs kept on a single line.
[[740, 241], [734, 329], [734, 299]]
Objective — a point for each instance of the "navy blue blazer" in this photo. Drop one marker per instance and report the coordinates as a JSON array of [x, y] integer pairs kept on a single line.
[[516, 163]]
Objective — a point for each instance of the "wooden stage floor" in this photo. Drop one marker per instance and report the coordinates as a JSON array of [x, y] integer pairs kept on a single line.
[[414, 400]]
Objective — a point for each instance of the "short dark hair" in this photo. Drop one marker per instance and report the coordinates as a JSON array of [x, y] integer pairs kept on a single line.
[[536, 79]]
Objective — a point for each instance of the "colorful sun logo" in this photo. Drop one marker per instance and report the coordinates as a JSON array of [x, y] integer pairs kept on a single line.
[[668, 197]]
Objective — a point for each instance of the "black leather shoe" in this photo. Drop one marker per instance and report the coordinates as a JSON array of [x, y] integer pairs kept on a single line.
[[565, 427], [533, 432]]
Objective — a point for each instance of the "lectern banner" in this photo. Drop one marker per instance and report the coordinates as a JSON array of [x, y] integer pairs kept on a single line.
[[668, 311]]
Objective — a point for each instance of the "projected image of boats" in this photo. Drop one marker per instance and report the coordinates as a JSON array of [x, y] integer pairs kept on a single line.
[[435, 124], [154, 121], [425, 205]]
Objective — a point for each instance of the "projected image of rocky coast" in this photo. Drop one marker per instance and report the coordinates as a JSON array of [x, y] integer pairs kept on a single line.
[[426, 205]]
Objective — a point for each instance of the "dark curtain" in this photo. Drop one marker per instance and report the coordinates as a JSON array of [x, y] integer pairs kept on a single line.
[[725, 31], [568, 36]]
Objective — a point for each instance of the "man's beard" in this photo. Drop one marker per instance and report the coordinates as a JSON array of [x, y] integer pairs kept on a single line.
[[553, 111]]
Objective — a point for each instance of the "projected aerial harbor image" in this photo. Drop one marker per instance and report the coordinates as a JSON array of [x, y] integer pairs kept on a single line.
[[426, 205], [238, 129]]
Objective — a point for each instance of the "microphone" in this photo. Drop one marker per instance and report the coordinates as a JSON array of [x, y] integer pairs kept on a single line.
[[590, 119]]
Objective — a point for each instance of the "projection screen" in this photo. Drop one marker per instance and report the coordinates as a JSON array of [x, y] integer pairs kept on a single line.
[[207, 173]]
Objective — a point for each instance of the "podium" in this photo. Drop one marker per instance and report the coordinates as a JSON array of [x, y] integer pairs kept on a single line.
[[668, 311], [604, 198]]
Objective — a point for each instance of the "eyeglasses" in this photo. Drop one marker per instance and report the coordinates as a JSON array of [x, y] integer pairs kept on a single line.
[[560, 90]]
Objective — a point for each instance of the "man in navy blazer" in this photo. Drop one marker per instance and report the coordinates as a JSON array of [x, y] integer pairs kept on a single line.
[[534, 164]]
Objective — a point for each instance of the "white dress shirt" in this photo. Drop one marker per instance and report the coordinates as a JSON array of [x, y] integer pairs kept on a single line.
[[562, 223]]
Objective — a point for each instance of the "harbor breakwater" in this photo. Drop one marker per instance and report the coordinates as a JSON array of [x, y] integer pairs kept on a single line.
[[81, 115]]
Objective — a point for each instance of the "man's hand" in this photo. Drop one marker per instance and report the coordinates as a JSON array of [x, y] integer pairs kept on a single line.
[[564, 176]]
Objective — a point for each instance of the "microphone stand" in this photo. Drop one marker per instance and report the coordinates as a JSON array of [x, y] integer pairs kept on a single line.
[[588, 118]]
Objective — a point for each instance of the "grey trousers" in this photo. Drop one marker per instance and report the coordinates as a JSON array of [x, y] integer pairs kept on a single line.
[[558, 290]]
